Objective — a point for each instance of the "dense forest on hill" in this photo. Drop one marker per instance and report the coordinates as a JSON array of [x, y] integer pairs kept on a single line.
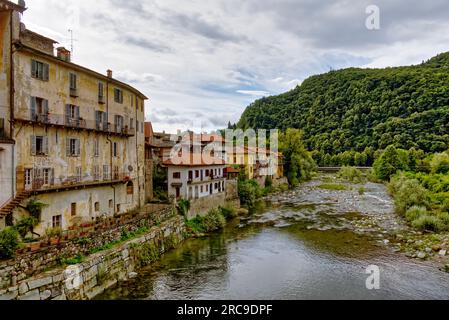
[[358, 111]]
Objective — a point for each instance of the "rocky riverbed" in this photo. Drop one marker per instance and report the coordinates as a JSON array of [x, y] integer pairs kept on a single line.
[[365, 209]]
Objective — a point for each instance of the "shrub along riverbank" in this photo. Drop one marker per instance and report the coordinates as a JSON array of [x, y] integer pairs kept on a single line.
[[419, 186]]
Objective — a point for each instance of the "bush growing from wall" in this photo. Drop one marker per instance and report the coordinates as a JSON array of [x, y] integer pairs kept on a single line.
[[9, 243]]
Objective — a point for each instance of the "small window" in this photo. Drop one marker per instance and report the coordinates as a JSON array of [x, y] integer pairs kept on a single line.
[[79, 174], [96, 148], [101, 92], [57, 221], [197, 174], [73, 209], [73, 81], [40, 70], [115, 149], [97, 206], [106, 175], [176, 175], [202, 189], [39, 146], [118, 95], [118, 208], [2, 128], [111, 204], [96, 173], [207, 173], [73, 147]]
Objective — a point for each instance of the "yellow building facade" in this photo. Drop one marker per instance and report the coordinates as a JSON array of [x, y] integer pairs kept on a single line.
[[74, 137]]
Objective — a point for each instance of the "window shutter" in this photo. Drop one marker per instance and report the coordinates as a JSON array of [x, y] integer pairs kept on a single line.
[[33, 68], [52, 176], [33, 145], [77, 113], [77, 145], [45, 145], [67, 111], [68, 147], [33, 108], [97, 119], [46, 107], [46, 68], [105, 120]]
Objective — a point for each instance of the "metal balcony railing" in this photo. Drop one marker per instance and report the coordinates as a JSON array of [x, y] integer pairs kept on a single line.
[[50, 183], [77, 123]]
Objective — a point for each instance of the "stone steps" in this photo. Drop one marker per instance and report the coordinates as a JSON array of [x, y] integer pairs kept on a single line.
[[10, 206]]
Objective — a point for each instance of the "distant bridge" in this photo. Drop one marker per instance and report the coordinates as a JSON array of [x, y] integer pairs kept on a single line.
[[336, 169]]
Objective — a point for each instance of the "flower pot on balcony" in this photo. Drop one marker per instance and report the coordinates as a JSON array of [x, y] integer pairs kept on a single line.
[[55, 241], [35, 246]]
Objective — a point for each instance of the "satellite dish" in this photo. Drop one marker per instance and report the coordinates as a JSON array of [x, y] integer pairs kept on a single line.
[[130, 168], [22, 3]]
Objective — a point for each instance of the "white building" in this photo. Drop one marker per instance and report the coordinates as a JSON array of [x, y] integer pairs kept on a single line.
[[195, 180]]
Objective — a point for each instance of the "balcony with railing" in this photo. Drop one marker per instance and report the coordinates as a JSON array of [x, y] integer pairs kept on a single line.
[[50, 184], [59, 120]]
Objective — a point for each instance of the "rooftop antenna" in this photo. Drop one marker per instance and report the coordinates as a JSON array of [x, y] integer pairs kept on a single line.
[[71, 41]]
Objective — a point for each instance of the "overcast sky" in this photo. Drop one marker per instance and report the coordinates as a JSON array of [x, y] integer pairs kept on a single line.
[[202, 62]]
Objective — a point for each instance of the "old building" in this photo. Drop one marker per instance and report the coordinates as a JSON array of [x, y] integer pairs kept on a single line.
[[70, 137], [195, 179], [256, 163]]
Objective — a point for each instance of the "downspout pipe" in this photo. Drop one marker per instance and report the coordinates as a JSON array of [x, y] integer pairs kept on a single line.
[[110, 145], [137, 152], [11, 102]]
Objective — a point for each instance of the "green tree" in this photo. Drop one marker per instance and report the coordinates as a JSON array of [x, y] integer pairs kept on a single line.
[[390, 162], [299, 164]]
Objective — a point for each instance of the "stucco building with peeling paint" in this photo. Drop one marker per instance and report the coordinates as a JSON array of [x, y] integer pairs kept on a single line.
[[70, 137]]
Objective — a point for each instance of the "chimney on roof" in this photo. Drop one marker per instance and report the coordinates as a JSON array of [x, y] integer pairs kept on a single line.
[[109, 73], [63, 54]]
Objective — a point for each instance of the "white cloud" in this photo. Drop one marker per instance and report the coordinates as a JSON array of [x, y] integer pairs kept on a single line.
[[254, 93]]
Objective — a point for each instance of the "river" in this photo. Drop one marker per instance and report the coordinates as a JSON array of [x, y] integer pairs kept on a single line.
[[298, 245]]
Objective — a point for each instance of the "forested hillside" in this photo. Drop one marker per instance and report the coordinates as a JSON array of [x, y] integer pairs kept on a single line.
[[363, 110]]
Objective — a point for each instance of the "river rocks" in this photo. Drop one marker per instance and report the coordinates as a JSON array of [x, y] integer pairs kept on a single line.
[[421, 255], [442, 253], [428, 250], [436, 248], [132, 275]]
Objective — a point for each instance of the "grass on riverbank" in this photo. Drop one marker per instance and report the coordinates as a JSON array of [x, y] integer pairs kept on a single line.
[[333, 186]]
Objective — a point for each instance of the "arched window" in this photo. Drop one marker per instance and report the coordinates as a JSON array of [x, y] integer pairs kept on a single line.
[[130, 188]]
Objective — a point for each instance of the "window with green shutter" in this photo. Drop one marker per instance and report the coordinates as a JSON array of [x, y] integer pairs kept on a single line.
[[40, 70]]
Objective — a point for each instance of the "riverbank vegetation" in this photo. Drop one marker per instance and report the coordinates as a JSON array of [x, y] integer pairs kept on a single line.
[[419, 186], [213, 221]]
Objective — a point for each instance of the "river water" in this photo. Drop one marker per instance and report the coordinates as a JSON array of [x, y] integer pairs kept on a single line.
[[299, 245]]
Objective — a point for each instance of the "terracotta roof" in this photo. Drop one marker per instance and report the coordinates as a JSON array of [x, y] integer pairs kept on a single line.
[[231, 170], [37, 35], [8, 5]]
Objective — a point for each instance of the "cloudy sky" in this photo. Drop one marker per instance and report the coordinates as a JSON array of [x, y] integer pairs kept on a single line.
[[202, 62]]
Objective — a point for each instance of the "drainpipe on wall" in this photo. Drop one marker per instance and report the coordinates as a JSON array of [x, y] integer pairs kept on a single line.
[[11, 100], [110, 144], [137, 154]]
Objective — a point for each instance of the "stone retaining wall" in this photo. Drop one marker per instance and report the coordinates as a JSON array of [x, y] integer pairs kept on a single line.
[[201, 206], [101, 271], [32, 263]]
